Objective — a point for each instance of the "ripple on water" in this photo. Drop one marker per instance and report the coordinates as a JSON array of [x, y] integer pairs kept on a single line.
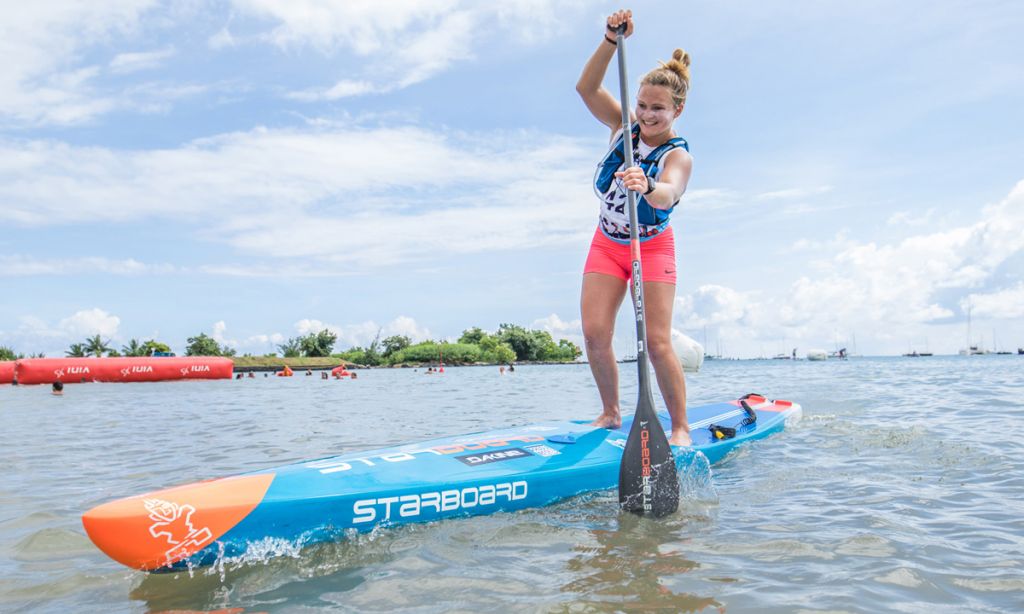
[[52, 544]]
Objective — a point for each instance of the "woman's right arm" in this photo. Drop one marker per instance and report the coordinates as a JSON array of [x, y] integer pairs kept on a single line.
[[599, 101]]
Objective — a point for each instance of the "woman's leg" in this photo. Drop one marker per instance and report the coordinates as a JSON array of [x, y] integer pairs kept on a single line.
[[659, 298], [599, 304]]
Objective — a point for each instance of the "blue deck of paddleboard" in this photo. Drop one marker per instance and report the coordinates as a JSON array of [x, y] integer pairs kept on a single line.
[[480, 473]]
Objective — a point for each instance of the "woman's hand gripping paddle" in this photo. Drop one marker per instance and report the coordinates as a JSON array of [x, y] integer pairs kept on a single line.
[[648, 484]]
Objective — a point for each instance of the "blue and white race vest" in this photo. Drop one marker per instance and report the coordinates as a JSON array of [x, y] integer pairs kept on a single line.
[[614, 219]]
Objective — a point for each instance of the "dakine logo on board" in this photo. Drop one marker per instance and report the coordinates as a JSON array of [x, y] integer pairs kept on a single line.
[[492, 457]]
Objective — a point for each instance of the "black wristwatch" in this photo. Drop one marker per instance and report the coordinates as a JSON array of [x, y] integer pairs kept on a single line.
[[651, 184]]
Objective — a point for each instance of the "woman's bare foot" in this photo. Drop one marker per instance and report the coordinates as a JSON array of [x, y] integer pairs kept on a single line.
[[680, 438], [608, 420]]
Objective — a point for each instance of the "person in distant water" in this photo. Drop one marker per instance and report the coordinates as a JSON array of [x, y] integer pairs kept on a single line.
[[354, 375], [511, 368], [58, 388], [661, 169], [238, 376], [501, 370], [323, 375], [251, 374]]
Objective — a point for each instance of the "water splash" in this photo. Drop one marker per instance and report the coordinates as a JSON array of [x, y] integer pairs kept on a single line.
[[695, 478]]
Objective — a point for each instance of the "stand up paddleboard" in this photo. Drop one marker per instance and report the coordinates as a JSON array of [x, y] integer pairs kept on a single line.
[[325, 499]]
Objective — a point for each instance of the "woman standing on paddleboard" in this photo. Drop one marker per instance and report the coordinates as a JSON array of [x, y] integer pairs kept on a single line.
[[661, 170]]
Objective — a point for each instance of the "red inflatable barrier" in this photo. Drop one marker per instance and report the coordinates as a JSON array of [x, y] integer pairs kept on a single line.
[[6, 371], [126, 369]]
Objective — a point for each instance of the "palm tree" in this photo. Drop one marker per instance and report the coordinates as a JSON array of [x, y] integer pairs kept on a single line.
[[96, 346], [77, 350], [134, 348]]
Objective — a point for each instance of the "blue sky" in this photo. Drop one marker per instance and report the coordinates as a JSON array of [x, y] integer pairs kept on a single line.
[[259, 169]]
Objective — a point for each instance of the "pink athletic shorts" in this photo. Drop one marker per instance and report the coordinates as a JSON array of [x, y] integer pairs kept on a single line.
[[657, 257]]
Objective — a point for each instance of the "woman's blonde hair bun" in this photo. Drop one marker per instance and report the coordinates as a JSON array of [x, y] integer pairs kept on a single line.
[[674, 74]]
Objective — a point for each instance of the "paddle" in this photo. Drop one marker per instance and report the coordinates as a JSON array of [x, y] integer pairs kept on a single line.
[[648, 484]]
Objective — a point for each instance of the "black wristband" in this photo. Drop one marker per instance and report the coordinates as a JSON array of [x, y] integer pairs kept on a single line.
[[609, 40], [651, 184]]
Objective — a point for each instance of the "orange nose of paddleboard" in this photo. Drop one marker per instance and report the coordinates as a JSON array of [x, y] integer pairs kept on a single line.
[[161, 528]]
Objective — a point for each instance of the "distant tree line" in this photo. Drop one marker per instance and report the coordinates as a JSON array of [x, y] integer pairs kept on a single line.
[[509, 344], [7, 353]]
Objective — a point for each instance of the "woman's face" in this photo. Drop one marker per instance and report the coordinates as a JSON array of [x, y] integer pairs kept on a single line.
[[654, 109]]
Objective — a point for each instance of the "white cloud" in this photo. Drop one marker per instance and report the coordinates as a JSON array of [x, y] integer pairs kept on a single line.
[[892, 290], [793, 193], [223, 39], [342, 89], [18, 266], [710, 199], [570, 330], [124, 63], [404, 43], [88, 322], [711, 305], [279, 269], [840, 242], [1004, 304], [268, 342], [906, 218], [219, 329], [307, 326], [42, 77], [54, 51], [363, 333], [34, 334], [259, 343], [405, 325], [296, 187]]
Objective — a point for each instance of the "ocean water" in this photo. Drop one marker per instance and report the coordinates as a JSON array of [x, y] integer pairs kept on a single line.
[[901, 490]]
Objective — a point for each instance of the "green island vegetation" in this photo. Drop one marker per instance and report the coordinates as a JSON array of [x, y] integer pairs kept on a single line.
[[7, 353], [96, 346], [511, 343]]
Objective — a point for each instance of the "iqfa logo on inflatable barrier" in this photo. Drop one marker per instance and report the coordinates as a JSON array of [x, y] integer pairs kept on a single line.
[[195, 369], [136, 369], [71, 371]]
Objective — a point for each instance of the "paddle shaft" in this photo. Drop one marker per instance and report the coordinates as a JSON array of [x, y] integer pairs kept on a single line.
[[648, 482], [634, 235]]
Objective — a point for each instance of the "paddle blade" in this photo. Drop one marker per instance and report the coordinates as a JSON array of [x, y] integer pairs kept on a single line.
[[648, 482]]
